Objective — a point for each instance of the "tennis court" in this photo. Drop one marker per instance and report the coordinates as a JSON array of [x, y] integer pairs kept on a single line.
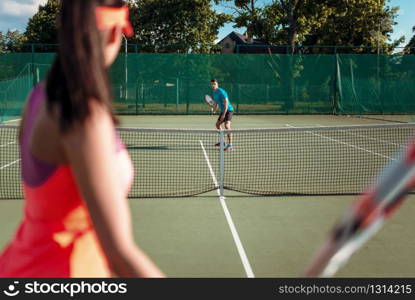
[[243, 235]]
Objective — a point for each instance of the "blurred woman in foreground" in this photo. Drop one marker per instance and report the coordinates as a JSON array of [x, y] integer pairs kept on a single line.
[[76, 172]]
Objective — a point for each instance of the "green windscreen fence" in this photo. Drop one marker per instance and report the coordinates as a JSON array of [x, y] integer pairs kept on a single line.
[[372, 84], [177, 83], [19, 72], [257, 84]]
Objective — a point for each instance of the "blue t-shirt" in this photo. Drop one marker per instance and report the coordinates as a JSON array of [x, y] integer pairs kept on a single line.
[[218, 97]]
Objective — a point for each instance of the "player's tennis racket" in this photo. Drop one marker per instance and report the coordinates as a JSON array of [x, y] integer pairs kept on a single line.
[[209, 102], [366, 216]]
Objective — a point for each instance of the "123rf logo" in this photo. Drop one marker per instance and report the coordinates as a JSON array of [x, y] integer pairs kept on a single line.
[[12, 290]]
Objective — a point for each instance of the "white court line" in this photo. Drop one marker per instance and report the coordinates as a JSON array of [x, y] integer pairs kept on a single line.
[[347, 144], [10, 164], [239, 246], [11, 121], [9, 143], [370, 138], [282, 139], [212, 173]]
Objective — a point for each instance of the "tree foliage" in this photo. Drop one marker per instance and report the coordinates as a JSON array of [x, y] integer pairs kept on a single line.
[[410, 47], [318, 22], [187, 24], [12, 41], [253, 15], [42, 27], [298, 18], [357, 23], [2, 43]]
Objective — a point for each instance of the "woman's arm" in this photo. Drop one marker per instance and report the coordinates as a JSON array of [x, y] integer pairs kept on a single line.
[[90, 150]]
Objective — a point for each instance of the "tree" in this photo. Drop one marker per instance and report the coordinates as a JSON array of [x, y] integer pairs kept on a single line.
[[280, 21], [410, 47], [189, 25], [357, 23], [300, 17], [334, 22], [2, 43], [252, 15], [318, 22], [12, 41], [42, 27]]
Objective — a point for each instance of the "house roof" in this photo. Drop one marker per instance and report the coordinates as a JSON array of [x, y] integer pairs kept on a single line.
[[240, 39]]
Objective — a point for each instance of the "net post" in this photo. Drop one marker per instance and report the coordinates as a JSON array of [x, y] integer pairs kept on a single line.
[[136, 98], [32, 65], [177, 94], [221, 161], [126, 67]]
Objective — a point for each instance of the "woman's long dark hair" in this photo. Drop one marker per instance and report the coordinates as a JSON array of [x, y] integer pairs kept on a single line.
[[79, 74]]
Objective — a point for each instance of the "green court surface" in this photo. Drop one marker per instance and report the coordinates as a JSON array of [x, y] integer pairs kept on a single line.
[[194, 236], [190, 237]]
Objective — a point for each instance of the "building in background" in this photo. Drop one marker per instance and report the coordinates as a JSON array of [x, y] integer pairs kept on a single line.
[[243, 44]]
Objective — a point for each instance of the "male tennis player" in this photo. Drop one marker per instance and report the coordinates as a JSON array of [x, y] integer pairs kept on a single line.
[[220, 96]]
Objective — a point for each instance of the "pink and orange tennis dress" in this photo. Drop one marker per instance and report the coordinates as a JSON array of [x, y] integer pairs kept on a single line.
[[56, 237]]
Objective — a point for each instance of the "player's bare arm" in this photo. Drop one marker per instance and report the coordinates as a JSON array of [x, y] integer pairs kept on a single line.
[[215, 107]]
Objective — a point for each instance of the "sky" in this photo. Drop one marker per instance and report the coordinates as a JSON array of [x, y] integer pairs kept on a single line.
[[14, 14]]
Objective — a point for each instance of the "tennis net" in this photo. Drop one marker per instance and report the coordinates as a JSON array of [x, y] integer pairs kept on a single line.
[[339, 160]]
